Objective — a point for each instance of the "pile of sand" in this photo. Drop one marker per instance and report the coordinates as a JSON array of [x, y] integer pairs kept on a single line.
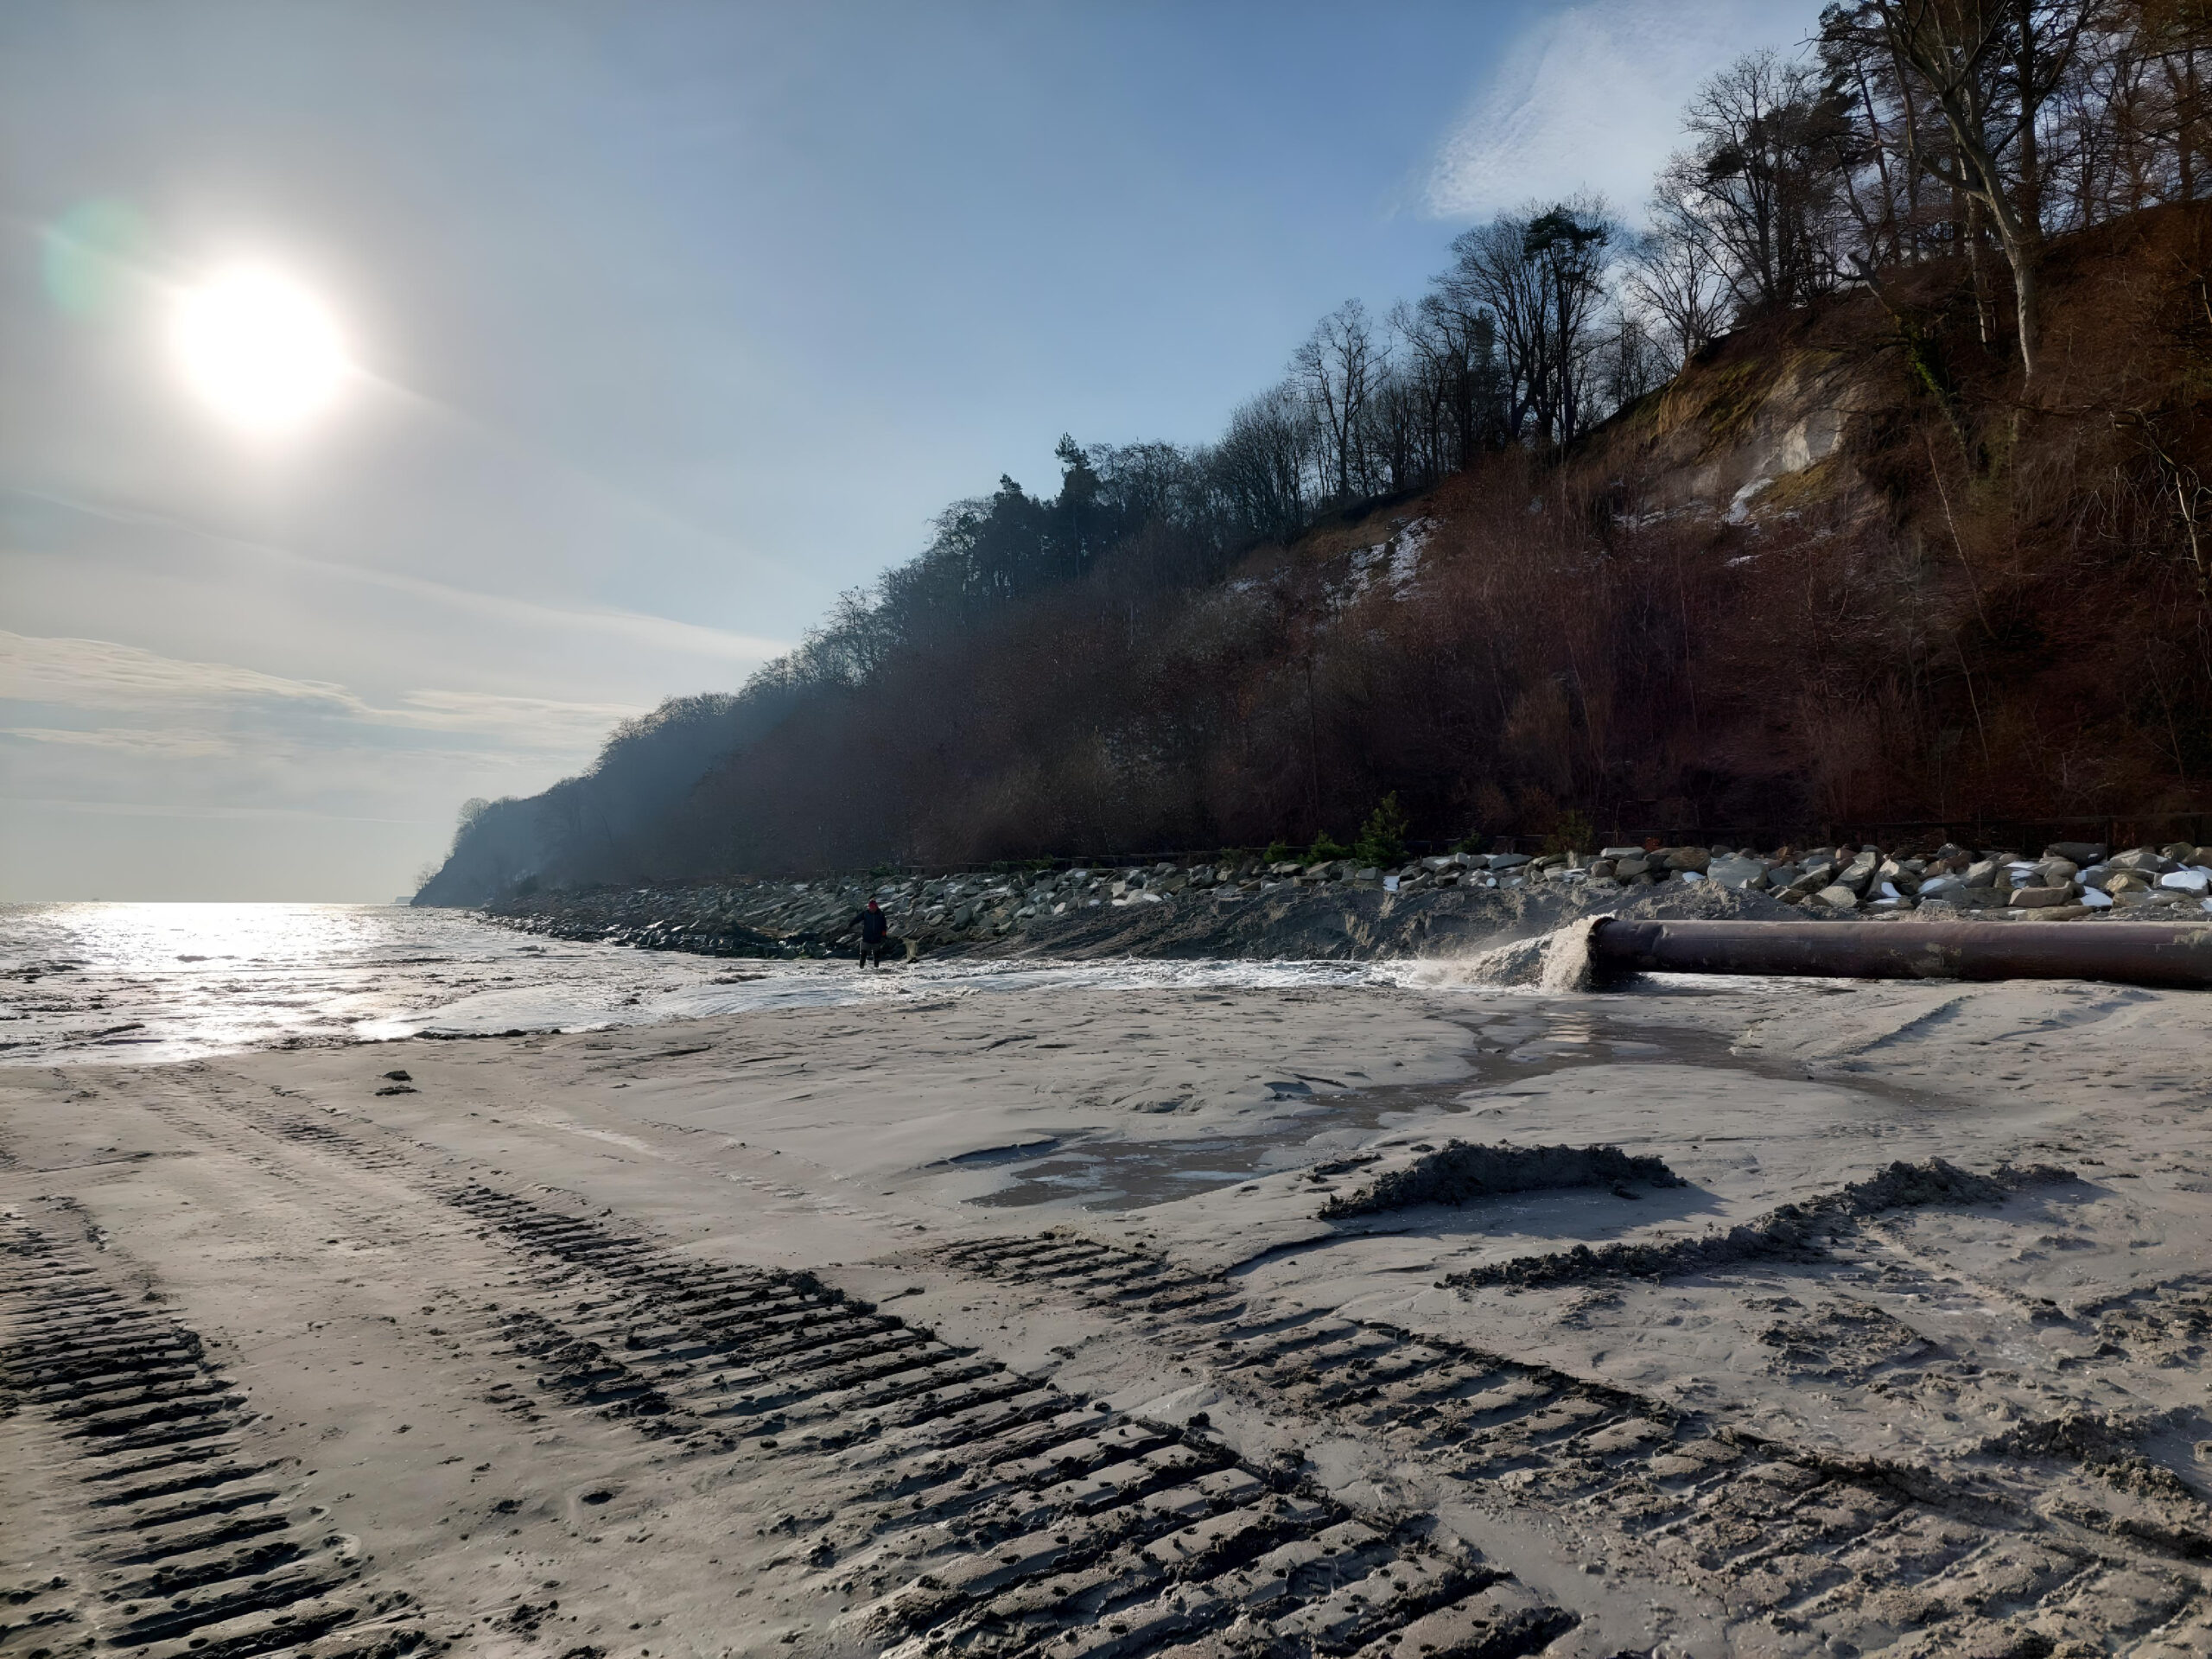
[[1796, 1232], [1458, 1172]]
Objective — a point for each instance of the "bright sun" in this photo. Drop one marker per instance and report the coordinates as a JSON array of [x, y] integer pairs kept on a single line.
[[261, 350]]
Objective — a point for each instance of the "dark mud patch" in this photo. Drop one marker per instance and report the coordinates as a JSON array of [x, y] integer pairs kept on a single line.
[[1796, 1232], [1461, 1169]]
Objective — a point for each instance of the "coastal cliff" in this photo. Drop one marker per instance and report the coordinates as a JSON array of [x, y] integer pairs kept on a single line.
[[1845, 567]]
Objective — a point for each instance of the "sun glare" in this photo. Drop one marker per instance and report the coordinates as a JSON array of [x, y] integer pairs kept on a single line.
[[260, 350]]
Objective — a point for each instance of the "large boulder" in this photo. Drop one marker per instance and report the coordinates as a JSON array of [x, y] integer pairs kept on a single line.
[[1859, 875], [2144, 859], [2150, 899], [1814, 876], [1736, 873], [2075, 852], [1892, 873]]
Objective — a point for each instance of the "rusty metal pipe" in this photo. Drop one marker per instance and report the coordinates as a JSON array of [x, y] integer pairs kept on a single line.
[[2128, 953]]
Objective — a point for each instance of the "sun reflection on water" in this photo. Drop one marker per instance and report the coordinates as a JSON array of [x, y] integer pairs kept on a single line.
[[142, 983]]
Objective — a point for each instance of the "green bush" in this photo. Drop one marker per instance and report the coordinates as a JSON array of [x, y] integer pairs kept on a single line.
[[1326, 849], [1571, 832], [1382, 837], [1475, 842], [1278, 851]]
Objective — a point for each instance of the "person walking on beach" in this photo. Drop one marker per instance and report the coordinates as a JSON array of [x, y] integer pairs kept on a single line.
[[874, 926]]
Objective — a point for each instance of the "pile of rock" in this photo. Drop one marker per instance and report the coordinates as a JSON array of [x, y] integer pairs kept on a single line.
[[755, 917], [2066, 881]]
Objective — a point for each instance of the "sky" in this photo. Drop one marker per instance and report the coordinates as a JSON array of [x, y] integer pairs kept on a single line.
[[667, 322]]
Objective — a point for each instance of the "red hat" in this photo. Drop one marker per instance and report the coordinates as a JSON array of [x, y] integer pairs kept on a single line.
[[872, 904]]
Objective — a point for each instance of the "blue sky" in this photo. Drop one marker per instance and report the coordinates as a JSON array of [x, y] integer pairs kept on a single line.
[[678, 319]]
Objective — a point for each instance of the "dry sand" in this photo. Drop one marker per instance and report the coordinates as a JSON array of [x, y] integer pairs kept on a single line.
[[1010, 1324]]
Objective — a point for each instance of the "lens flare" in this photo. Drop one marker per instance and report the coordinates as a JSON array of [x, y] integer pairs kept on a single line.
[[260, 350], [88, 257]]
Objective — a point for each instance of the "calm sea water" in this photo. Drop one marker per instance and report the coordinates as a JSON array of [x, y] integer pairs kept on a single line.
[[160, 982]]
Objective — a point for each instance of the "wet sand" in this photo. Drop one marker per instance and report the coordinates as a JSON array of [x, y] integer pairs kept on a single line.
[[1010, 1324]]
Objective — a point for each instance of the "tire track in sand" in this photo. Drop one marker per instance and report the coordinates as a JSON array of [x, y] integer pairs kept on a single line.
[[951, 1506], [938, 1504], [187, 1539], [1842, 1555]]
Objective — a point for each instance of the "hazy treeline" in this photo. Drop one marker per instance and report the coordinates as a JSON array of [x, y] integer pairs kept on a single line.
[[1072, 672]]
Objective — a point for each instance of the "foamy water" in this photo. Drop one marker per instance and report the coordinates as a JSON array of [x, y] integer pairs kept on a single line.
[[160, 982]]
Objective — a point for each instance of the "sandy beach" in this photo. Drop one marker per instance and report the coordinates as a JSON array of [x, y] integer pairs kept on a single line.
[[985, 1325]]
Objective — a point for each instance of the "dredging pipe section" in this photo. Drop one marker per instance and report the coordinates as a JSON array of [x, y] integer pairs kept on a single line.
[[2127, 953]]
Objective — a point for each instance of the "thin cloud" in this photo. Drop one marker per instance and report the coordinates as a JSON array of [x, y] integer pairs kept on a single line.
[[177, 810], [101, 676], [138, 741], [662, 633], [1592, 99], [546, 721]]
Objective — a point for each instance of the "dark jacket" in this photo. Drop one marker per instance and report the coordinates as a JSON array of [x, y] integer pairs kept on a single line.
[[873, 925]]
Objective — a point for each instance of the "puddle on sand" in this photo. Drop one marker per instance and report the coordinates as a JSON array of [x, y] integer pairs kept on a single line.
[[1110, 1175], [1511, 1046]]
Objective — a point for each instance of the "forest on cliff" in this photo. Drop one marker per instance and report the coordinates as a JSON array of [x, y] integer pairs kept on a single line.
[[1863, 484]]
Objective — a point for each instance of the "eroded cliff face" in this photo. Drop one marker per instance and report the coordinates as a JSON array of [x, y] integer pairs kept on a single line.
[[1745, 436]]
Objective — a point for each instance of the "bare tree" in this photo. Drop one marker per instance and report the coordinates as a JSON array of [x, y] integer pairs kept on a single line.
[[1336, 366], [1989, 67], [1445, 364], [1539, 276], [1878, 186], [1263, 462], [1570, 246], [1677, 278], [1759, 188], [1630, 360]]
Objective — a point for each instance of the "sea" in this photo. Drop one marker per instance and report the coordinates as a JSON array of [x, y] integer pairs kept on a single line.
[[166, 982]]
